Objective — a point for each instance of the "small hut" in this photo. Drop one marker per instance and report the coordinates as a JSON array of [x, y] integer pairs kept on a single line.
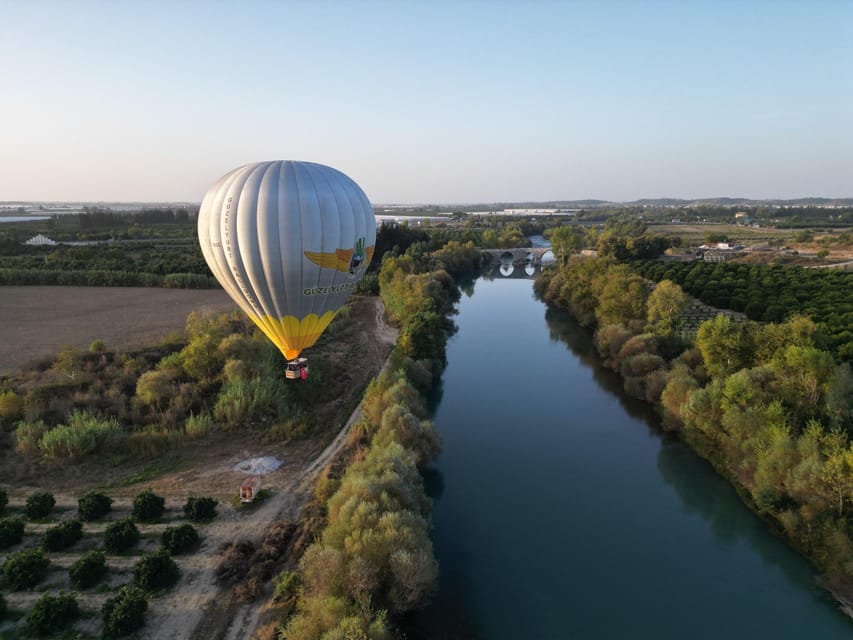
[[249, 489]]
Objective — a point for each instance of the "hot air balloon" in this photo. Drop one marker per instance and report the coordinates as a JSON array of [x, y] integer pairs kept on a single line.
[[288, 241]]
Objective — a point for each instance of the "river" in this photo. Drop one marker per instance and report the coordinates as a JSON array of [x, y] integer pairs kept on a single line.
[[561, 511]]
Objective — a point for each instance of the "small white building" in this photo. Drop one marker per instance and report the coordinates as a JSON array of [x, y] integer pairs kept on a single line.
[[40, 241]]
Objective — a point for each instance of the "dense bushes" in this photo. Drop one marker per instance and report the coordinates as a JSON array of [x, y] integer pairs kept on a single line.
[[84, 434], [148, 506], [769, 293], [200, 509], [11, 531], [124, 613], [375, 555], [39, 505], [180, 539], [4, 500], [93, 505], [120, 536], [51, 614], [156, 570], [25, 569], [62, 535], [88, 570]]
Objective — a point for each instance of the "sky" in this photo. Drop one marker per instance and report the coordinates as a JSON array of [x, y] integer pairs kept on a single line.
[[432, 101]]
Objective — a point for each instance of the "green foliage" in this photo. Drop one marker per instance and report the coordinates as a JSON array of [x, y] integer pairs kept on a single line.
[[200, 509], [770, 293], [665, 305], [124, 613], [148, 506], [39, 505], [286, 586], [156, 387], [180, 539], [88, 569], [156, 570], [11, 531], [120, 536], [3, 607], [25, 569], [11, 407], [62, 535], [4, 500], [51, 614], [726, 346], [97, 346], [84, 434], [93, 505], [199, 425], [254, 400], [27, 438]]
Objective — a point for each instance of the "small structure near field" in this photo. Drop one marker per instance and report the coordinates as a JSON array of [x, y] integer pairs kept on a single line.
[[249, 488]]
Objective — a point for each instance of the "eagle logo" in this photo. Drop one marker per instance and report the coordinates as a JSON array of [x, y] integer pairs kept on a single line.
[[344, 260]]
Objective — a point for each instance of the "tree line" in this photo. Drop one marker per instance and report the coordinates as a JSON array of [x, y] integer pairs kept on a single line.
[[767, 404], [769, 293]]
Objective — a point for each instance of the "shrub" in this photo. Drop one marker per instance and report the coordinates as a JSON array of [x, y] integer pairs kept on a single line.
[[198, 426], [27, 438], [62, 535], [88, 570], [24, 569], [93, 505], [2, 607], [177, 540], [85, 433], [251, 400], [156, 570], [97, 346], [200, 509], [124, 613], [120, 536], [39, 505], [4, 500], [286, 586], [11, 407], [148, 506], [11, 532], [51, 614]]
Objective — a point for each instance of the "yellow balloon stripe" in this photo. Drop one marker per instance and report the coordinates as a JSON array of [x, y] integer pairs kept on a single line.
[[290, 334]]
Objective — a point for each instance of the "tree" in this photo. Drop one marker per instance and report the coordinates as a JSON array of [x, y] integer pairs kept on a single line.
[[88, 570], [725, 345], [622, 299], [39, 505], [93, 505], [566, 241], [156, 570], [125, 612], [665, 305], [50, 614], [148, 506], [25, 569], [120, 536]]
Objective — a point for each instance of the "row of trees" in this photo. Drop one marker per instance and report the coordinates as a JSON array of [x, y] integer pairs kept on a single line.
[[769, 293], [766, 404], [374, 561]]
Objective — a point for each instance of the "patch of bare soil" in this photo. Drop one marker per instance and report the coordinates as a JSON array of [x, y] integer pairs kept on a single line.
[[200, 606], [38, 321]]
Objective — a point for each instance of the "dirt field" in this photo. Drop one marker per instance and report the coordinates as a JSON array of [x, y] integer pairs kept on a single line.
[[197, 607], [37, 321]]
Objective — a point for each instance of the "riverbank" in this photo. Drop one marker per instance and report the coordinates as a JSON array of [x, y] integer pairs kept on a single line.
[[762, 403]]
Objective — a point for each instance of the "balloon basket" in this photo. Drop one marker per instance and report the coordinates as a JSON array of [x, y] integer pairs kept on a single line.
[[296, 369]]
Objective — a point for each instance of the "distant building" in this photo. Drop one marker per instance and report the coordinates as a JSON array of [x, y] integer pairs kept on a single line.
[[40, 241]]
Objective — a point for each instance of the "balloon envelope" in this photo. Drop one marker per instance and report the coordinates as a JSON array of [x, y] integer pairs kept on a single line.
[[288, 241]]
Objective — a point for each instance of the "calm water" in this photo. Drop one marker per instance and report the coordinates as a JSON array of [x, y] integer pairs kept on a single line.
[[562, 512]]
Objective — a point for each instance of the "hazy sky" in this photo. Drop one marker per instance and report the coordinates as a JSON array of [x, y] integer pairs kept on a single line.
[[429, 101]]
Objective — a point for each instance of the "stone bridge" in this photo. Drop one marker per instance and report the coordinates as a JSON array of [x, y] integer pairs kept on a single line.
[[518, 256]]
